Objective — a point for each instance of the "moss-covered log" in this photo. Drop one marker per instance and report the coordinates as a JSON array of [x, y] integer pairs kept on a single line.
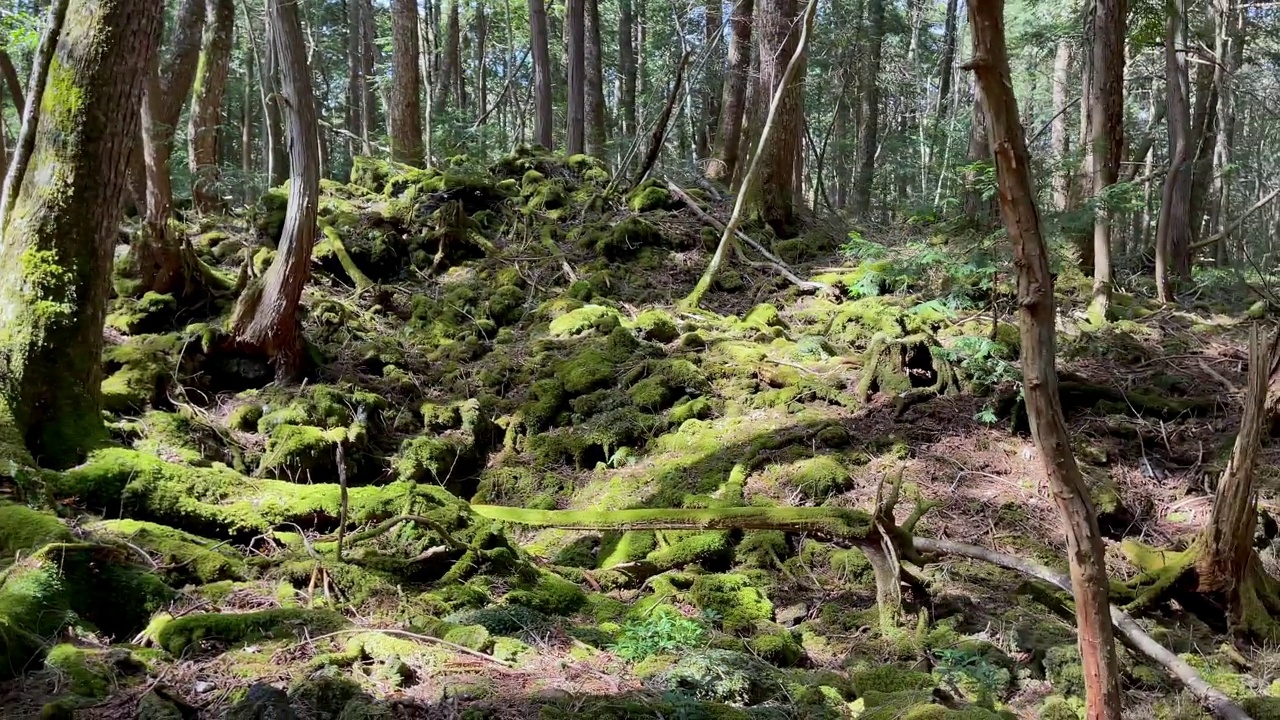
[[59, 236]]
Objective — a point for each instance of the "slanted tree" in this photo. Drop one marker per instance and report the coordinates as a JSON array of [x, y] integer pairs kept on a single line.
[[404, 111], [206, 103], [1106, 137], [1036, 320], [58, 238], [266, 316], [733, 101], [543, 116]]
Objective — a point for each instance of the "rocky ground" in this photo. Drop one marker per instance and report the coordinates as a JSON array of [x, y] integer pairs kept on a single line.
[[509, 335]]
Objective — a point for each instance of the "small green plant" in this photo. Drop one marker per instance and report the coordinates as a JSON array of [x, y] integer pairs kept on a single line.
[[974, 674], [858, 248], [659, 633], [984, 362]]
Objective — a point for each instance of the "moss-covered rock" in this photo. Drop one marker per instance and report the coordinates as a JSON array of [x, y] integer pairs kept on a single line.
[[549, 594], [722, 676], [184, 557], [657, 325], [153, 312], [188, 631], [584, 319], [23, 529], [650, 195], [735, 600], [139, 371], [90, 672]]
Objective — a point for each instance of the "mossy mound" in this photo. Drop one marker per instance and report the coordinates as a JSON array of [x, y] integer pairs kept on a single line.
[[183, 557], [23, 530], [189, 631]]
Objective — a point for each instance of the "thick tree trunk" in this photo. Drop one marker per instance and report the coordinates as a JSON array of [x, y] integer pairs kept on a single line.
[[1106, 137], [206, 104], [596, 116], [449, 84], [266, 317], [543, 118], [627, 67], [575, 36], [733, 103], [1060, 138], [405, 110], [869, 131], [775, 191], [1036, 320], [59, 238], [1173, 229], [980, 211]]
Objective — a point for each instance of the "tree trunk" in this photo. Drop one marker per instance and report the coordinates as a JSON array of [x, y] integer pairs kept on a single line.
[[1036, 320], [977, 208], [277, 155], [405, 110], [449, 84], [12, 83], [1060, 138], [266, 317], [59, 239], [596, 116], [1106, 137], [206, 104], [713, 27], [1173, 228], [1204, 121], [355, 79], [946, 66], [1229, 49], [775, 190], [869, 131], [368, 106], [482, 65], [1224, 563], [246, 131], [542, 116], [733, 103], [575, 33]]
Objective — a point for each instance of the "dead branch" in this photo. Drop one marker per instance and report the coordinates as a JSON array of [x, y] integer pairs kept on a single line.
[[1213, 700], [660, 129]]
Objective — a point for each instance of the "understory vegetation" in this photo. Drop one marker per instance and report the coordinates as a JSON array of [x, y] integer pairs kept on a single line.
[[490, 341]]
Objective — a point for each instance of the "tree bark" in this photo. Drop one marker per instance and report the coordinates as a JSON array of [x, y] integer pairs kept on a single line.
[[277, 151], [1060, 138], [946, 66], [1173, 228], [575, 33], [59, 239], [775, 191], [449, 84], [713, 26], [597, 119], [733, 103], [981, 211], [1229, 50], [405, 110], [206, 104], [1106, 137], [12, 82], [869, 131], [1036, 320], [368, 106], [543, 118], [266, 317], [355, 79]]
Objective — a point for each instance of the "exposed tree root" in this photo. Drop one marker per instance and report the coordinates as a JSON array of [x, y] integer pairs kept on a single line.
[[361, 281], [1218, 704], [889, 365]]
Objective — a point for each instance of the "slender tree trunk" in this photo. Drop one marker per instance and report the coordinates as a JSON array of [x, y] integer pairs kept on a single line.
[[1173, 229], [978, 209], [1204, 121], [1036, 319], [405, 110], [596, 116], [355, 79], [947, 64], [775, 192], [206, 104], [543, 118], [12, 82], [246, 131], [1060, 137], [733, 104], [714, 81], [482, 65], [266, 317], [58, 243], [1106, 137], [451, 71], [627, 67], [1229, 49], [575, 33], [869, 132], [368, 107]]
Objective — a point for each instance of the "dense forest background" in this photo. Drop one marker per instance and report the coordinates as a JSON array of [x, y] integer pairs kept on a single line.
[[874, 359]]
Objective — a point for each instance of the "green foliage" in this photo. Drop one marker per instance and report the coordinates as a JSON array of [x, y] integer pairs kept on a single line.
[[662, 631]]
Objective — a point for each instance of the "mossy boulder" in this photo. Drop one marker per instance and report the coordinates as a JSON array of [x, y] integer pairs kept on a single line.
[[734, 599], [475, 637], [185, 557], [583, 320], [657, 325], [189, 631], [90, 672], [722, 676], [23, 530], [139, 371], [152, 312], [550, 595], [649, 196]]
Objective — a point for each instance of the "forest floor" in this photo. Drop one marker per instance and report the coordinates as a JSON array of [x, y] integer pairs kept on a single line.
[[507, 336]]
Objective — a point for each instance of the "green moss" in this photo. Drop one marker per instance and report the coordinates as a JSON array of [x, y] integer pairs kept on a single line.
[[657, 325], [723, 676], [1062, 668], [589, 370], [628, 237], [245, 417], [695, 409], [650, 195], [735, 600], [510, 650], [550, 595], [139, 371], [150, 313], [23, 529], [1056, 707], [431, 458], [816, 478], [86, 672], [476, 637], [298, 451], [890, 679], [778, 648], [503, 619], [584, 319], [189, 631], [185, 557], [764, 316]]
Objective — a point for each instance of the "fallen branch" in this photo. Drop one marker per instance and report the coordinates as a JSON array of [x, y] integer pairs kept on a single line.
[[385, 526], [1218, 704], [774, 260], [1235, 224], [413, 636], [660, 129]]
